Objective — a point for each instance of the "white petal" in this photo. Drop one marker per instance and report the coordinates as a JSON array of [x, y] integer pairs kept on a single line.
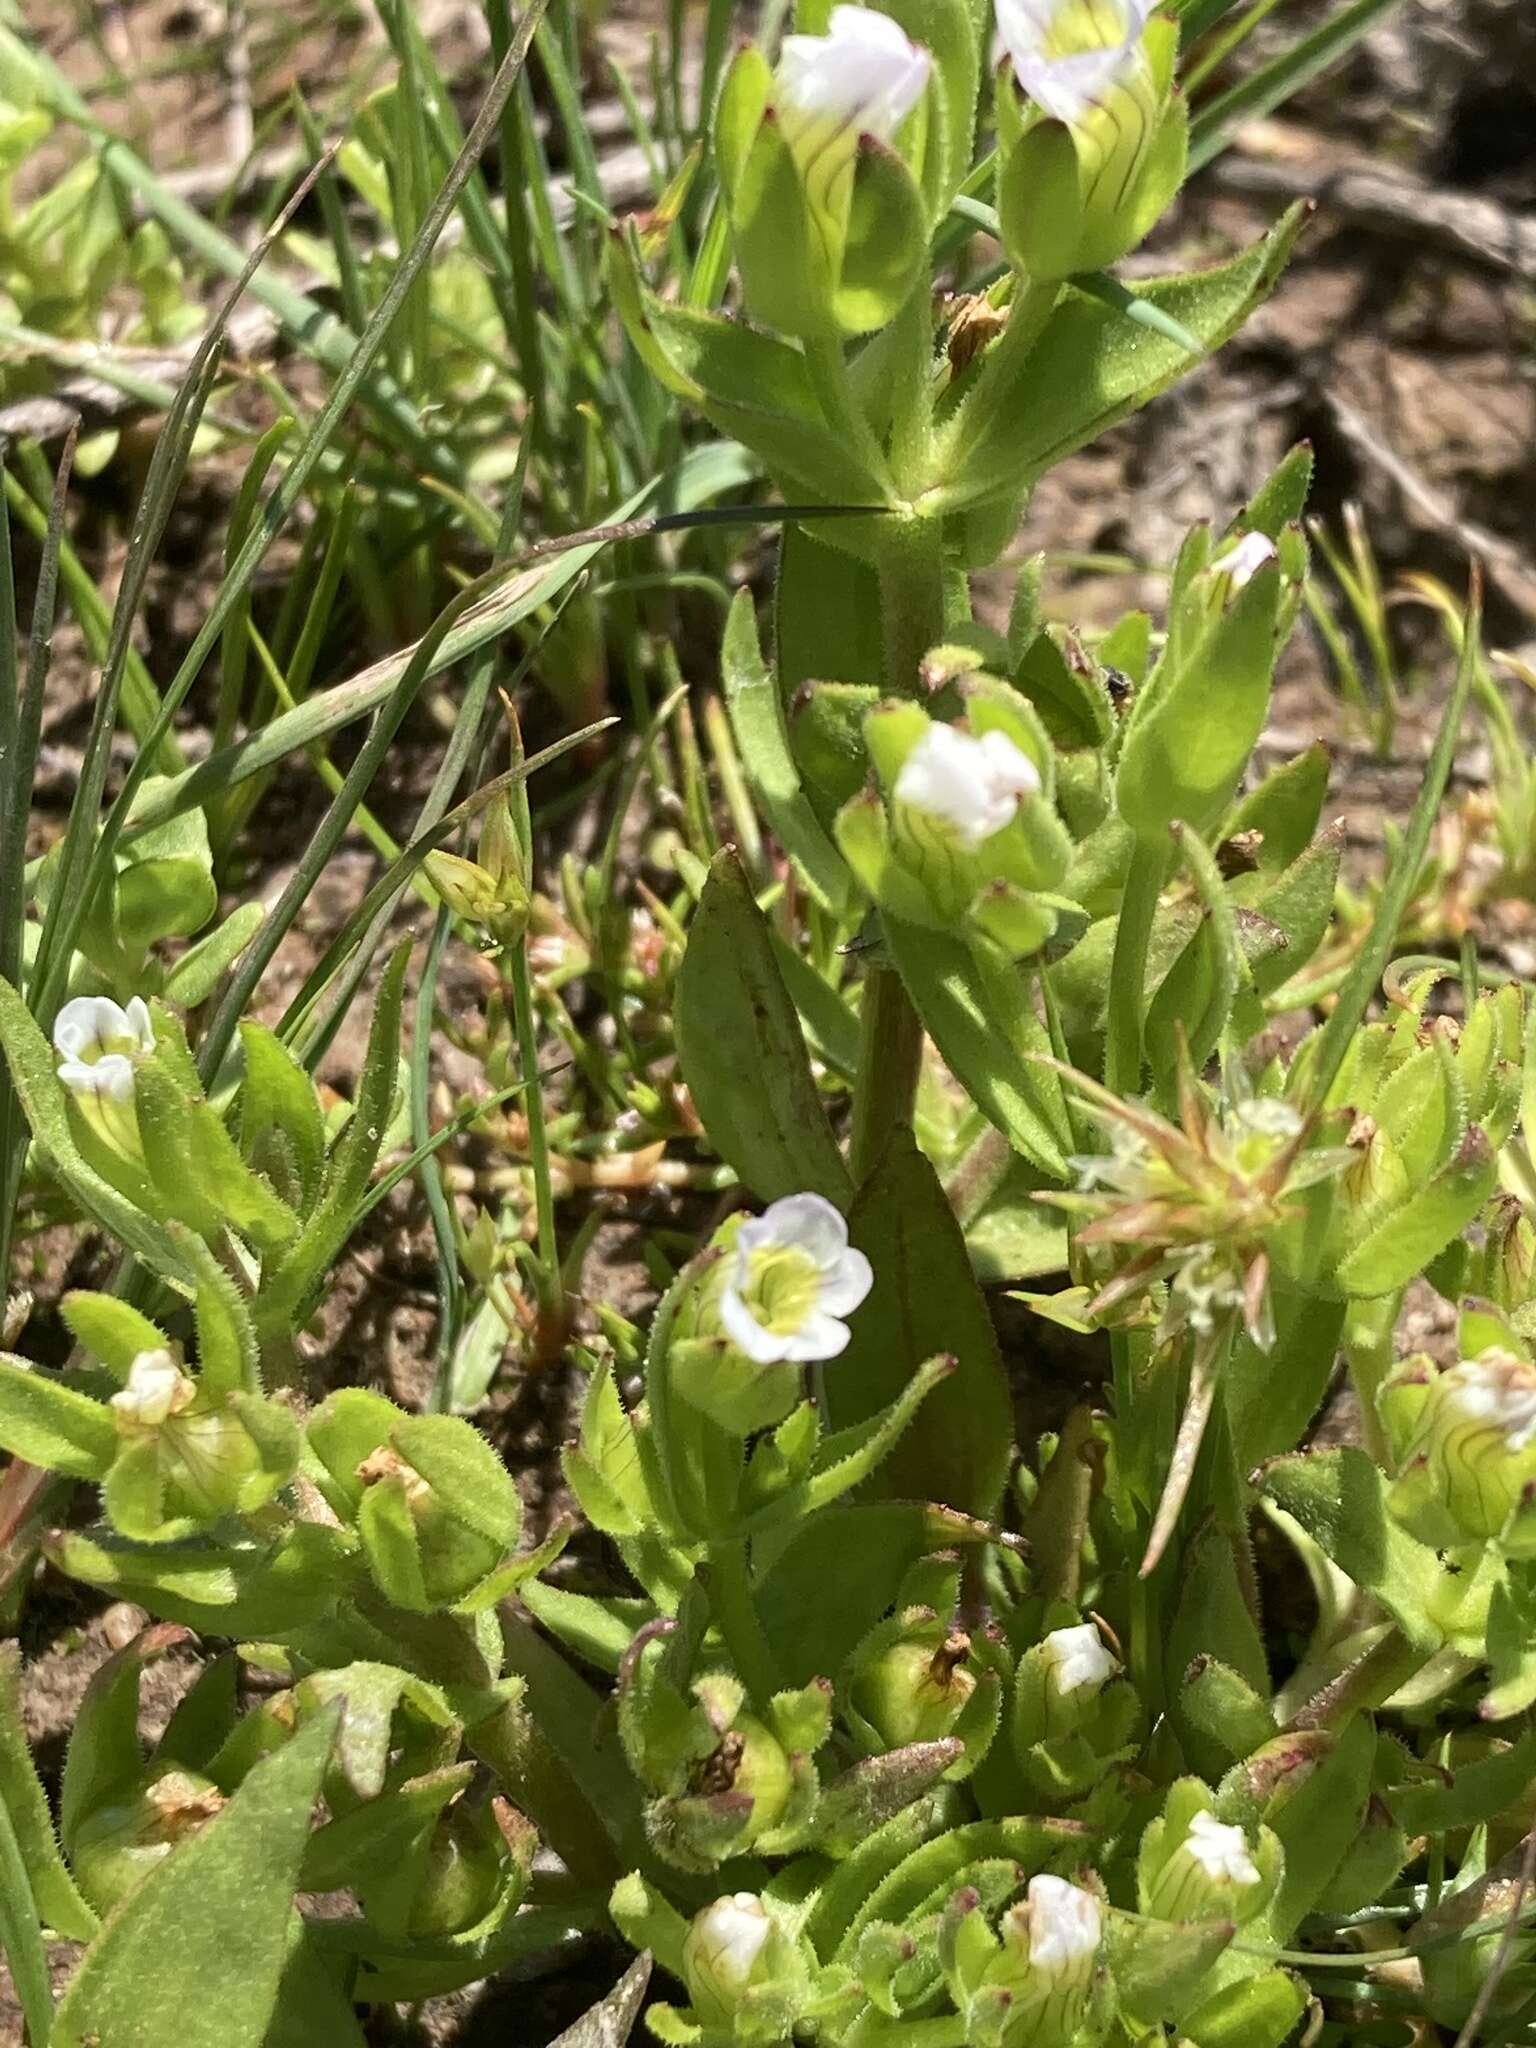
[[1079, 1658], [1496, 1388], [111, 1076], [847, 1284], [86, 1023], [1245, 558], [1065, 1923], [864, 71], [1220, 1850], [1065, 86], [973, 785], [819, 1337], [763, 1347], [156, 1388], [803, 1223], [136, 1017]]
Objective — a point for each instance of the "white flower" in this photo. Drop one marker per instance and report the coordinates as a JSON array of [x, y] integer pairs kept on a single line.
[[1067, 53], [1221, 1851], [157, 1389], [97, 1042], [972, 783], [1065, 1924], [1078, 1658], [722, 1946], [1496, 1391], [865, 74], [1245, 558], [793, 1277]]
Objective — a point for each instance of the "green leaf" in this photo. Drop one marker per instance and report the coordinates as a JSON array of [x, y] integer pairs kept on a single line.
[[1339, 1498], [1405, 1241], [1467, 1795], [980, 1017], [52, 1888], [193, 1957], [21, 1938], [242, 1198], [278, 1096], [822, 1586], [757, 719], [753, 386], [1271, 1396], [742, 1052], [1195, 998], [1285, 807], [1258, 2012], [110, 1330], [246, 1590], [1317, 1823], [226, 1342], [925, 1300], [200, 969], [103, 1757], [51, 1425], [826, 620], [390, 1542], [1092, 367]]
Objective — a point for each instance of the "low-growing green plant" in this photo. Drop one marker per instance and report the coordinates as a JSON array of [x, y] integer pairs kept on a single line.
[[998, 963]]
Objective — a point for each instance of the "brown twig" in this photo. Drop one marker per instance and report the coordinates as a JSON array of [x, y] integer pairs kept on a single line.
[[1482, 2005]]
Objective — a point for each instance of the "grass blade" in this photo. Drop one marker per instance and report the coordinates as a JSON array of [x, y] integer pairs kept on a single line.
[[1273, 83], [1371, 961]]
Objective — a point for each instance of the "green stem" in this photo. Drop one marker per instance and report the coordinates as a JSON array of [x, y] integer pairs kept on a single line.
[[551, 1288], [1128, 970], [1368, 1683], [911, 599], [735, 1614], [1370, 1348], [828, 370]]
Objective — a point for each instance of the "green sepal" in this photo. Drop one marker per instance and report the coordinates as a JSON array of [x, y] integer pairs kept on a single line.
[[1256, 2012], [887, 241]]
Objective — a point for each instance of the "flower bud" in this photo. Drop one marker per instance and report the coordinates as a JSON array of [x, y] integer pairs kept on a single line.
[[186, 1453], [1058, 1683], [156, 1389], [1097, 151], [917, 1688], [968, 833], [732, 1947], [1193, 1866], [99, 1044], [1046, 1962], [1474, 1455], [492, 890], [121, 1843], [464, 1871], [828, 221]]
